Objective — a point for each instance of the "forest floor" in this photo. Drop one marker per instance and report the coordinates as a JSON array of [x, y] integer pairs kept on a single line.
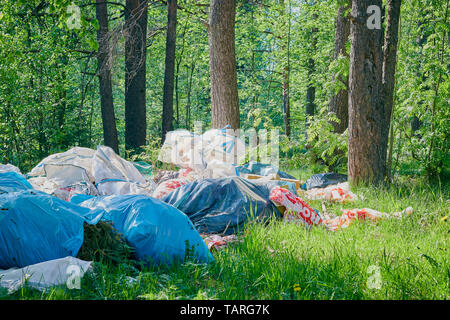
[[392, 259]]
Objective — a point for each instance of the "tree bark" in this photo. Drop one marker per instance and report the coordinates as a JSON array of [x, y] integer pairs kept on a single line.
[[135, 75], [167, 117], [389, 64], [222, 61], [104, 75], [310, 108], [366, 148], [339, 102]]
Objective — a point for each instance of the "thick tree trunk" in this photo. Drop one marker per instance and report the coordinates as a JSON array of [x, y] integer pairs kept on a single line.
[[339, 102], [389, 64], [366, 148], [106, 96], [222, 61], [167, 117], [135, 77]]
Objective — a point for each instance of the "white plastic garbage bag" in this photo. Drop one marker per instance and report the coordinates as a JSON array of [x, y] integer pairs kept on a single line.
[[183, 149], [78, 156], [211, 155], [9, 168], [115, 187], [108, 165], [65, 271]]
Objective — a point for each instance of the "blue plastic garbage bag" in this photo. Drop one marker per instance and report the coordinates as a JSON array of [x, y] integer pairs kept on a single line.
[[155, 229], [36, 227], [262, 169], [222, 205], [323, 180], [12, 181]]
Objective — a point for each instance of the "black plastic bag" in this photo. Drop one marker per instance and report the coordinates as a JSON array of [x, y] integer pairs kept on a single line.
[[323, 180], [222, 205]]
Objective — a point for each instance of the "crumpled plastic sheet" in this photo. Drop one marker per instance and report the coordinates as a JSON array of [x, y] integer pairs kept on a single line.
[[36, 227], [218, 242], [12, 181], [9, 168], [164, 175], [214, 154], [167, 187], [76, 170], [44, 275], [334, 193], [296, 208], [262, 169], [323, 180], [224, 205]]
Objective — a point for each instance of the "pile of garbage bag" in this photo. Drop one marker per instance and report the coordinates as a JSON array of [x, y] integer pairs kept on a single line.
[[91, 172], [165, 216]]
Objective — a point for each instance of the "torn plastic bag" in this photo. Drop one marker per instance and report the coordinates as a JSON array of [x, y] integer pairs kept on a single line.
[[296, 208], [184, 149], [108, 165], [155, 229], [13, 181], [219, 147], [167, 187], [323, 180], [222, 205], [144, 168], [70, 180], [44, 275], [262, 169], [334, 193], [118, 187], [9, 168], [37, 227], [223, 145]]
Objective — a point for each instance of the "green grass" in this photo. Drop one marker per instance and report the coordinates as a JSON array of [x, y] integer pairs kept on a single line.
[[411, 254]]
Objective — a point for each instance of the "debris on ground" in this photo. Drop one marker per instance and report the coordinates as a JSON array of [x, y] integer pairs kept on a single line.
[[222, 205], [296, 208], [333, 193], [218, 242], [323, 180], [44, 275]]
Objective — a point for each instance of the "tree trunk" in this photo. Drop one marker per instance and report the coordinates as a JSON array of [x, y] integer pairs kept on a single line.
[[286, 70], [135, 77], [366, 148], [389, 64], [310, 108], [167, 117], [222, 61], [339, 102], [104, 75]]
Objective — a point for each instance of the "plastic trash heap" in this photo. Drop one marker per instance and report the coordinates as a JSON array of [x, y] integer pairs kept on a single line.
[[157, 231], [37, 227], [222, 205], [12, 181]]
